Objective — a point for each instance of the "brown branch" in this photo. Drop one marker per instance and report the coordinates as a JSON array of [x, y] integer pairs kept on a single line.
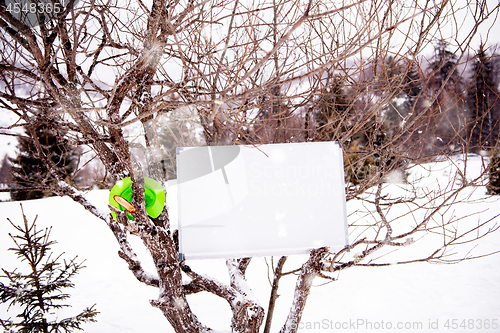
[[22, 102], [274, 293]]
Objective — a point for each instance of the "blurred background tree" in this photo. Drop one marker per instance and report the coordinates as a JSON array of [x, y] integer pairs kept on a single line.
[[44, 155]]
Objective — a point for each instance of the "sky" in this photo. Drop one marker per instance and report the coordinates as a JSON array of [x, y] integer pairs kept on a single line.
[[488, 31]]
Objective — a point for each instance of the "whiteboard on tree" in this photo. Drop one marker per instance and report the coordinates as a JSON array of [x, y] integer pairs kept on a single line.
[[275, 199]]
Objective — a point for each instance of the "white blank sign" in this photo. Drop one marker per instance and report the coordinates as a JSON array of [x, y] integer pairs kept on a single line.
[[276, 199]]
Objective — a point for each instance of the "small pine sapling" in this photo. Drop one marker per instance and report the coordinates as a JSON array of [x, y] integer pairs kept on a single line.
[[38, 293]]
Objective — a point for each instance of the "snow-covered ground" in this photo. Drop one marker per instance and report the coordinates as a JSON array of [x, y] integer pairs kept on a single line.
[[404, 298]]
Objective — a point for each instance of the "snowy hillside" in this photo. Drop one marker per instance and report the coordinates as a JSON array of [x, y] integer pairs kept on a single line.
[[407, 298]]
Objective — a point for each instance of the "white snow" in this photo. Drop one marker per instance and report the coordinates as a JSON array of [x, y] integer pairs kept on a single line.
[[401, 298]]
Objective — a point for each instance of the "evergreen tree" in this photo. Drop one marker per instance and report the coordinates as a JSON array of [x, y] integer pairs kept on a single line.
[[57, 158], [270, 123], [332, 112], [335, 116], [39, 291], [412, 84], [5, 174], [493, 186], [444, 65], [444, 127], [482, 100], [270, 103], [407, 86]]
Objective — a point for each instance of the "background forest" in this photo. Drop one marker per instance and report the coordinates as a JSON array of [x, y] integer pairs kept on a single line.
[[454, 106]]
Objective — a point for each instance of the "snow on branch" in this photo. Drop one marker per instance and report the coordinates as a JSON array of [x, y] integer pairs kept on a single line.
[[127, 254], [310, 269], [63, 189]]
